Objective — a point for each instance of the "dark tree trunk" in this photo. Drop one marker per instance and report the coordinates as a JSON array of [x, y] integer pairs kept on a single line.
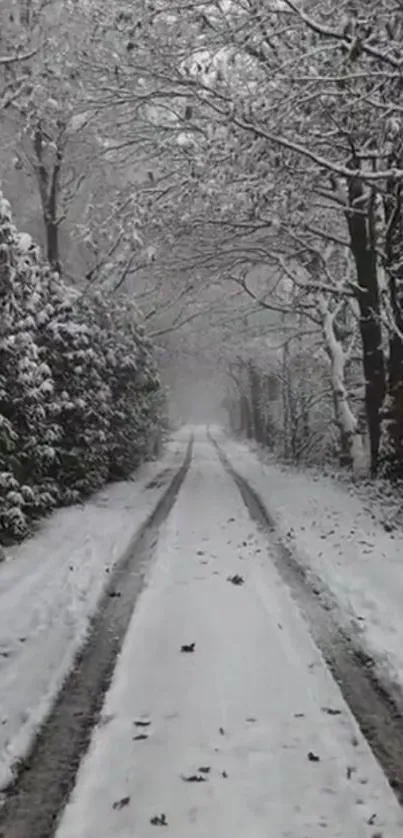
[[285, 394], [367, 293], [246, 417], [258, 427], [393, 459], [52, 243], [271, 393]]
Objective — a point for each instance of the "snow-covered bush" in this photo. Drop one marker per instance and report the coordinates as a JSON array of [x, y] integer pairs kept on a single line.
[[78, 387], [131, 380]]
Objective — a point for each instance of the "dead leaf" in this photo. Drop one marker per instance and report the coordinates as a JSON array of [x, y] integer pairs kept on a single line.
[[194, 778], [159, 820], [236, 579], [313, 757], [204, 769], [120, 804], [331, 711], [142, 723], [188, 647], [140, 737]]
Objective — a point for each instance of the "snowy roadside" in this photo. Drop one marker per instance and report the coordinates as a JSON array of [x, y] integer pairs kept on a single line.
[[49, 588], [249, 734], [341, 544]]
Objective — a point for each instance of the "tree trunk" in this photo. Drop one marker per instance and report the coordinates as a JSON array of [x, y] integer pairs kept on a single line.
[[52, 243], [367, 294], [271, 394], [285, 403], [393, 413], [351, 442], [48, 176], [248, 422], [255, 388]]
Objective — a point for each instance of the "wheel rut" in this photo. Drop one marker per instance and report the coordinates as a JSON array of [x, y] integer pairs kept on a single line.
[[378, 713], [32, 805]]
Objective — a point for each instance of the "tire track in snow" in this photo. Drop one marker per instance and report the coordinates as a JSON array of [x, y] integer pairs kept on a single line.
[[31, 805], [376, 712]]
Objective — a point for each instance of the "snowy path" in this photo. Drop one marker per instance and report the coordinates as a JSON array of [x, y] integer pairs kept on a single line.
[[247, 705], [50, 587]]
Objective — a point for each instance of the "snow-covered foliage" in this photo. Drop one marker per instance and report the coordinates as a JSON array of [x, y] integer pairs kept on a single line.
[[79, 390], [279, 134], [285, 405]]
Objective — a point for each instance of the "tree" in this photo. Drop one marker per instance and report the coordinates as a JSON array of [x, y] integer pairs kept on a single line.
[[322, 131]]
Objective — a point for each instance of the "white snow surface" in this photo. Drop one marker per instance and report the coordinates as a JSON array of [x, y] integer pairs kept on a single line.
[[247, 705], [341, 543], [49, 588]]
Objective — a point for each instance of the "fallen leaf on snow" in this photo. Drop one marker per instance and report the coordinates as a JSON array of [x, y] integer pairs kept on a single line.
[[142, 723], [159, 820], [236, 579], [204, 769], [313, 757], [140, 737], [194, 778], [120, 804], [331, 711], [188, 647]]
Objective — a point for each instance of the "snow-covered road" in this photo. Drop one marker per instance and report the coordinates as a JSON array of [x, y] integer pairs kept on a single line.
[[49, 589], [248, 735]]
